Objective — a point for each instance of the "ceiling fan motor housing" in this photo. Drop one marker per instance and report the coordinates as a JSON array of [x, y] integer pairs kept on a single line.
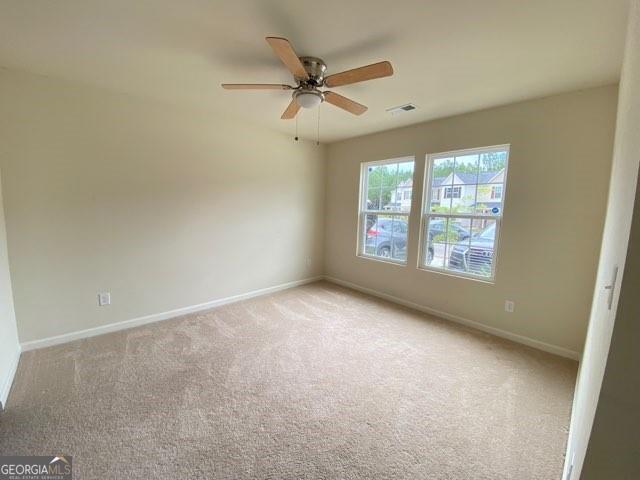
[[315, 68]]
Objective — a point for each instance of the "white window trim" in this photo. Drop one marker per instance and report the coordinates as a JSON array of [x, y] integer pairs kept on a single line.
[[362, 213], [425, 214]]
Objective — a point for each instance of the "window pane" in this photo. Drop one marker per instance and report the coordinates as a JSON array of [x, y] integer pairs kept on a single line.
[[400, 198], [459, 235], [373, 199], [405, 171], [440, 205], [405, 185], [436, 255], [385, 236], [481, 262], [370, 239], [489, 199], [464, 199], [399, 238], [485, 229], [396, 190], [480, 257], [459, 231], [437, 229], [387, 197], [436, 239], [466, 170], [442, 171], [389, 173], [441, 174], [374, 176], [493, 164]]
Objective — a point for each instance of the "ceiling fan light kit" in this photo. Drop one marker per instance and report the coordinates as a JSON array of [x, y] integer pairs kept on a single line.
[[308, 98], [309, 75]]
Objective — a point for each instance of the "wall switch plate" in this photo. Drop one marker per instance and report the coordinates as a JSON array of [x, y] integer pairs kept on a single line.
[[104, 298], [509, 306]]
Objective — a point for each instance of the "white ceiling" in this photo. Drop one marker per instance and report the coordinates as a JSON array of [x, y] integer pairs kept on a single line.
[[449, 56]]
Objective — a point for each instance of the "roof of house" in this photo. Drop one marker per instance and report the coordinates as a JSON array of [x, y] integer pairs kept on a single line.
[[468, 178], [437, 181]]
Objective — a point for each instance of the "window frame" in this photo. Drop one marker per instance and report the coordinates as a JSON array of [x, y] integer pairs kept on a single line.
[[363, 211], [425, 214]]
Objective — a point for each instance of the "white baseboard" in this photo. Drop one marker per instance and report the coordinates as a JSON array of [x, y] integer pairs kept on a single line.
[[156, 317], [135, 322], [5, 387], [547, 347]]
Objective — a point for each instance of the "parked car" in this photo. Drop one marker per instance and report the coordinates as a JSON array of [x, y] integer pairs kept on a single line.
[[436, 227], [386, 236], [477, 257]]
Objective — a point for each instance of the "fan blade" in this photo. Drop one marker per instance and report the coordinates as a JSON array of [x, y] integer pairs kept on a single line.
[[255, 86], [344, 103], [291, 111], [284, 50], [370, 72]]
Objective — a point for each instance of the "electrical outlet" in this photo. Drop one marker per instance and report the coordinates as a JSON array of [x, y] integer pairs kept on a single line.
[[104, 298], [509, 306], [308, 262]]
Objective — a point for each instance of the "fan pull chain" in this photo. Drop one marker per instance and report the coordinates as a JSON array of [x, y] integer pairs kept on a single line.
[[318, 130], [296, 137]]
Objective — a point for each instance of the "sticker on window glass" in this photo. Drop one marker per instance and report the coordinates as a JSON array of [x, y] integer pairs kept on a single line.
[[495, 210]]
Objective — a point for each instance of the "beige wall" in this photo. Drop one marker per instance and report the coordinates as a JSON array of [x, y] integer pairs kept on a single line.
[[9, 346], [163, 207], [559, 169]]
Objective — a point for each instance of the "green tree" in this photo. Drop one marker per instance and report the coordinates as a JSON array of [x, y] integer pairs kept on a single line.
[[492, 161], [489, 162], [442, 169], [382, 182]]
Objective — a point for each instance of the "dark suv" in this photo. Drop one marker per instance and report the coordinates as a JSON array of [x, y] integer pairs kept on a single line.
[[477, 257]]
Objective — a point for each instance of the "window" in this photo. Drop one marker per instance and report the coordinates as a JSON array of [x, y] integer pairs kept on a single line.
[[385, 208], [452, 192], [460, 230]]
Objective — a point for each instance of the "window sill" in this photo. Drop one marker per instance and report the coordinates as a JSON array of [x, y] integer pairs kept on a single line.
[[460, 275], [397, 263]]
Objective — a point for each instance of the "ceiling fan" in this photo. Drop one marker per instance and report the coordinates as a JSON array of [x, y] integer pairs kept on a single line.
[[309, 75]]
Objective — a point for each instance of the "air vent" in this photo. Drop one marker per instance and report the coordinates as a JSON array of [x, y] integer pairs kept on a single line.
[[401, 109]]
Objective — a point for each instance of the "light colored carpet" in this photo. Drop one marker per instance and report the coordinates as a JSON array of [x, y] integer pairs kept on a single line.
[[314, 382]]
